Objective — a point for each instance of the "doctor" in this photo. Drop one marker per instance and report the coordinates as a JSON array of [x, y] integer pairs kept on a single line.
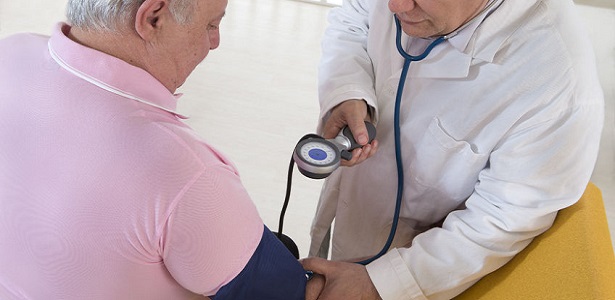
[[499, 128]]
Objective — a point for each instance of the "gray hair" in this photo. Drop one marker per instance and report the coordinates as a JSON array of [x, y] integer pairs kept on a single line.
[[112, 15]]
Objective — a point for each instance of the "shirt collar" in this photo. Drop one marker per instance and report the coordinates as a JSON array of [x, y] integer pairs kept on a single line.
[[462, 49], [110, 73], [462, 39]]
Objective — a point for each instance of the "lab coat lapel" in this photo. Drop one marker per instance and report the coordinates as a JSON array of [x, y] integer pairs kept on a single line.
[[483, 46], [490, 36], [457, 63]]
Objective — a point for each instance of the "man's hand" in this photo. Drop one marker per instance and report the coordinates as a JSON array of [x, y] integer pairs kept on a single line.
[[342, 280], [352, 113]]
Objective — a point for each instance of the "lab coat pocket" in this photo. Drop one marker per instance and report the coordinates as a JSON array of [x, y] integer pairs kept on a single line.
[[443, 168]]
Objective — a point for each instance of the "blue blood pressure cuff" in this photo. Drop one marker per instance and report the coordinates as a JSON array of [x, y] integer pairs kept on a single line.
[[272, 273]]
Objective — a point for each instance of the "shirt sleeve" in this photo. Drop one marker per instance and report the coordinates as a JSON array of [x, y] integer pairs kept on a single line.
[[215, 243], [346, 70], [540, 168], [212, 232], [272, 273]]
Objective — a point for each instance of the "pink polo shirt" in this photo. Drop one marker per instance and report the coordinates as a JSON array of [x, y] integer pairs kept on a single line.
[[104, 192]]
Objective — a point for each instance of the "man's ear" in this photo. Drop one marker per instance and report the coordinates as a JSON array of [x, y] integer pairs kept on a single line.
[[149, 17]]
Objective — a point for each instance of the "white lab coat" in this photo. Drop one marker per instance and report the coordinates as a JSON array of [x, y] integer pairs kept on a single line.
[[500, 129]]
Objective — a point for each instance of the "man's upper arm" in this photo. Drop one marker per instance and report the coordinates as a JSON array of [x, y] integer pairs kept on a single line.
[[272, 273], [215, 242]]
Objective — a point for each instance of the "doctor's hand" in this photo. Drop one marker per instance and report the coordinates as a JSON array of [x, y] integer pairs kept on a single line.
[[352, 113], [342, 280], [314, 287]]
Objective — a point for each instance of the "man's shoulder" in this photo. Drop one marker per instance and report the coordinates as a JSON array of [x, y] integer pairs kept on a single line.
[[177, 143], [19, 40]]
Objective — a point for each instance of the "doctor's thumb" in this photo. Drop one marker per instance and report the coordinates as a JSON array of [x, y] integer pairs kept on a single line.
[[359, 132], [315, 264]]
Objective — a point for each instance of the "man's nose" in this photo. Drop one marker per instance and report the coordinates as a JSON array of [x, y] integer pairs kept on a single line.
[[214, 41]]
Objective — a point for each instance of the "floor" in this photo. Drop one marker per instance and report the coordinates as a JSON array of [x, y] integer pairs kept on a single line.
[[255, 96]]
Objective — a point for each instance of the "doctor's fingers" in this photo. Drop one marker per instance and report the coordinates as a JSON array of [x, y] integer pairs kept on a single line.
[[314, 287], [352, 113], [359, 155], [343, 280], [317, 265]]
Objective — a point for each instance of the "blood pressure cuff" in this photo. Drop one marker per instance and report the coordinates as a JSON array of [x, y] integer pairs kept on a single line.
[[272, 273]]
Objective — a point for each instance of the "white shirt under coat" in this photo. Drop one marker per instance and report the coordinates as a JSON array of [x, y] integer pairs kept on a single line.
[[500, 129]]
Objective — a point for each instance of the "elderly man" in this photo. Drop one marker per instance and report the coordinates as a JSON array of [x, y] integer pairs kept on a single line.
[[488, 115], [104, 192]]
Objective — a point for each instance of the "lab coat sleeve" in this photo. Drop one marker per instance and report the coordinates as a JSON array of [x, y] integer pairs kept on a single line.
[[346, 70], [541, 167]]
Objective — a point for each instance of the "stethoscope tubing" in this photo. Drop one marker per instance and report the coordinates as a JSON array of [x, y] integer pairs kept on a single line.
[[408, 59]]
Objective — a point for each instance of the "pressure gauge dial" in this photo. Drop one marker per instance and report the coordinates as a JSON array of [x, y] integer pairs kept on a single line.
[[316, 157]]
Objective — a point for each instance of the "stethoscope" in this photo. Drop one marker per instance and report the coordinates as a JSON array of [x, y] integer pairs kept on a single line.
[[408, 59], [317, 157]]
